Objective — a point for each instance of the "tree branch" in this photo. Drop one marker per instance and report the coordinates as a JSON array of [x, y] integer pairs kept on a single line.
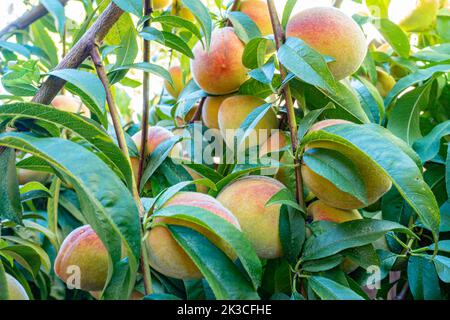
[[79, 52], [279, 40], [27, 19]]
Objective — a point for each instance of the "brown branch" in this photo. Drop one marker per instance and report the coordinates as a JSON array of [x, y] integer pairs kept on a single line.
[[146, 96], [27, 19], [79, 52], [279, 40], [198, 113], [235, 7]]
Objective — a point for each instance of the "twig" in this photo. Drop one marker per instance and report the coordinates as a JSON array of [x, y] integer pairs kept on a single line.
[[79, 52], [279, 40], [27, 19], [145, 95], [198, 113]]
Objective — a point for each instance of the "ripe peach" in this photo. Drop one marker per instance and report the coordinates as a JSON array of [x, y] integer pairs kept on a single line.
[[414, 15], [186, 14], [83, 251], [160, 4], [179, 82], [166, 255], [332, 33], [246, 198], [71, 104], [187, 118], [258, 11], [210, 111], [385, 82], [234, 110], [220, 70], [375, 179], [15, 290]]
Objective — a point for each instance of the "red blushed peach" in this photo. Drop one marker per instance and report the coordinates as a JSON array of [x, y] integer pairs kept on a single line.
[[83, 253], [71, 104], [166, 255], [179, 82], [220, 70], [332, 33], [246, 198]]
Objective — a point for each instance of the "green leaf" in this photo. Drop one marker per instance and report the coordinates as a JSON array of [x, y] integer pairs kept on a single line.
[[205, 171], [323, 264], [265, 73], [178, 22], [10, 206], [428, 147], [443, 245], [378, 8], [338, 169], [126, 54], [309, 119], [370, 99], [106, 203], [244, 26], [414, 78], [328, 289], [90, 85], [133, 6], [255, 52], [42, 39], [307, 64], [423, 279], [404, 121], [56, 9], [225, 279], [167, 39], [348, 235], [292, 229], [201, 13], [77, 124], [367, 140], [394, 35], [15, 47], [251, 121], [288, 8], [442, 265], [148, 67], [4, 294], [284, 196], [222, 228]]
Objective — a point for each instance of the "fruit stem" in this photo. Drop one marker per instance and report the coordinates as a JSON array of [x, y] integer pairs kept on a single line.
[[279, 40], [145, 94], [97, 60]]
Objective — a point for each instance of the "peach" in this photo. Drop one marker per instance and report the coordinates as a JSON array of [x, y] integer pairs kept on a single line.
[[166, 255], [376, 181], [210, 111], [160, 4], [246, 198], [414, 15], [232, 113], [83, 253], [258, 11], [186, 14], [385, 82], [25, 176], [332, 33], [220, 70], [187, 118], [179, 81], [15, 290], [71, 104]]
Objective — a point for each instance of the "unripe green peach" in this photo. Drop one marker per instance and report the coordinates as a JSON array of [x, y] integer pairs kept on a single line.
[[160, 4], [210, 111], [414, 15], [220, 70], [332, 33], [15, 290], [166, 255], [179, 82], [246, 198], [258, 11], [385, 82], [25, 176], [376, 181], [232, 113], [71, 104], [83, 254]]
